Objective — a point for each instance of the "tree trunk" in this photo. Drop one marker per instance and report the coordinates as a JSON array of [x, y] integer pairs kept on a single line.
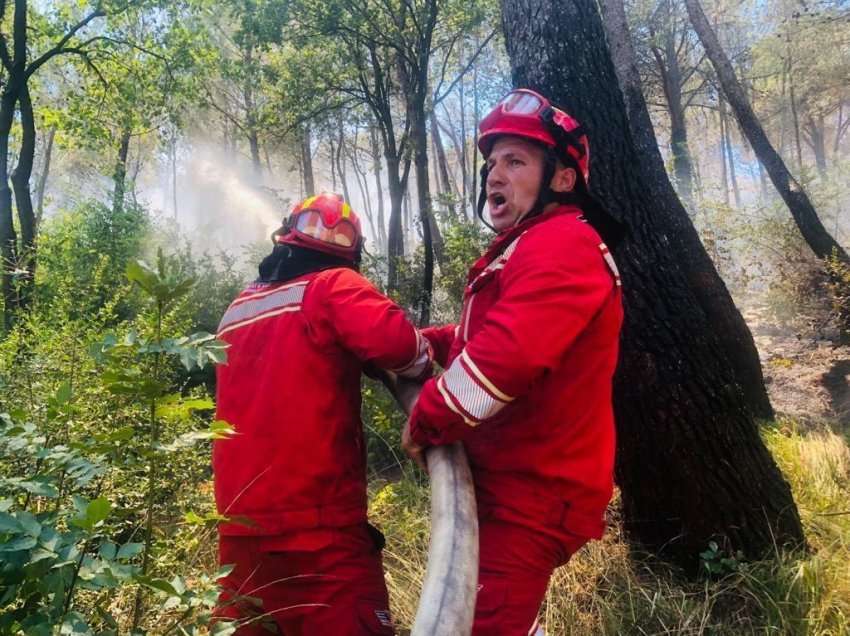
[[817, 140], [691, 465], [119, 177], [426, 217], [442, 163], [340, 165], [8, 237], [23, 198], [173, 148], [307, 161], [395, 239], [703, 278], [671, 73], [729, 154], [721, 118], [813, 231], [42, 178], [379, 188]]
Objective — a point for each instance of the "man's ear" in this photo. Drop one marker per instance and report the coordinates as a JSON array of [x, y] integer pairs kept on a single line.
[[564, 179]]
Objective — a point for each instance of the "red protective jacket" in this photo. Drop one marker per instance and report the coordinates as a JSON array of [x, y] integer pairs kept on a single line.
[[528, 376], [291, 390]]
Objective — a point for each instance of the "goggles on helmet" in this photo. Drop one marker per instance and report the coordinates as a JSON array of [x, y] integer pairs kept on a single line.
[[343, 233], [522, 102]]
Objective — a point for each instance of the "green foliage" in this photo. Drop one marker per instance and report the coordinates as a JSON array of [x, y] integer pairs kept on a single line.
[[78, 535]]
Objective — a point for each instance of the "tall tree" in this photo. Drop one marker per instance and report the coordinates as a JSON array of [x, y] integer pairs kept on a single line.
[[711, 292], [691, 465], [19, 69], [795, 197]]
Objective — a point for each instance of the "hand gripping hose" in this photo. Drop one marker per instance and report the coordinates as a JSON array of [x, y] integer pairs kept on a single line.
[[447, 603]]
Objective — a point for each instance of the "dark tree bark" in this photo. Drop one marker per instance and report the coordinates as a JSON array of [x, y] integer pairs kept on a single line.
[[8, 236], [713, 296], [23, 198], [691, 465], [805, 216]]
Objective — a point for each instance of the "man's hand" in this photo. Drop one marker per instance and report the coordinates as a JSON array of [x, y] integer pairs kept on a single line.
[[413, 450]]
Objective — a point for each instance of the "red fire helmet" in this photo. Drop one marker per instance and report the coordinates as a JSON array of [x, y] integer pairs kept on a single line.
[[524, 113], [326, 223]]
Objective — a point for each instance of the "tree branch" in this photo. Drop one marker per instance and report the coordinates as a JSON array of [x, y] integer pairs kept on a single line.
[[60, 46], [465, 69]]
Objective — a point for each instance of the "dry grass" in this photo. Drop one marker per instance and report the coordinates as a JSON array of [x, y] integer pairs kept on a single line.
[[606, 589]]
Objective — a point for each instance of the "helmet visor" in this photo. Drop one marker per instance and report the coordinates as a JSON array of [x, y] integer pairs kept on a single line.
[[522, 103], [310, 223]]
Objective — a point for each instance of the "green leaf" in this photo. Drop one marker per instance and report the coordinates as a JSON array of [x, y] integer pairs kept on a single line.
[[141, 273], [9, 524], [63, 393], [160, 585], [95, 512], [129, 550], [19, 543], [29, 523]]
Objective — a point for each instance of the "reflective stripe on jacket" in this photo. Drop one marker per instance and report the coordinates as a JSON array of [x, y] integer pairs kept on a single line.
[[291, 390], [529, 367]]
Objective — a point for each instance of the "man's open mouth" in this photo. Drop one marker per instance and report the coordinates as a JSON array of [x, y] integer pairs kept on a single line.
[[497, 200]]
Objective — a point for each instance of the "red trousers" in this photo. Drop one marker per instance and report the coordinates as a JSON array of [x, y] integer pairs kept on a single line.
[[516, 563], [327, 581]]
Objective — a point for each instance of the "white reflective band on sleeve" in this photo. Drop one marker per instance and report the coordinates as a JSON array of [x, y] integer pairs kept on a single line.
[[420, 362], [448, 400], [245, 311], [470, 395], [483, 378], [609, 259]]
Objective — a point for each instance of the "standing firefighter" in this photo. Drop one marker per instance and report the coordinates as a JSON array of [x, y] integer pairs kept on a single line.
[[292, 479], [528, 374]]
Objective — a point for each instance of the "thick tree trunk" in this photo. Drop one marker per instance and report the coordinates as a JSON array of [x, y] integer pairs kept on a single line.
[[423, 200], [704, 280], [42, 178], [691, 464], [8, 236], [23, 198], [805, 216]]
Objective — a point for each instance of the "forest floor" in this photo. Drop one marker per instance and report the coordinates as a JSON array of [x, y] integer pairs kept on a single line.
[[806, 372]]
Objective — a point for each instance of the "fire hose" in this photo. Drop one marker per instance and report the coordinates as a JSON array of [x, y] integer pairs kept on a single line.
[[447, 602]]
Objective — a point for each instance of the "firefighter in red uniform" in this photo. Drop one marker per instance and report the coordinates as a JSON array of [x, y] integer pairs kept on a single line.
[[527, 385], [292, 479]]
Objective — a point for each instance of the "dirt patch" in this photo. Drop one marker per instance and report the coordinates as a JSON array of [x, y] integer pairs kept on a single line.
[[807, 375]]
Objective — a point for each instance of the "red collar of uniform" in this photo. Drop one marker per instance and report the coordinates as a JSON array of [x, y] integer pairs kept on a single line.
[[507, 236]]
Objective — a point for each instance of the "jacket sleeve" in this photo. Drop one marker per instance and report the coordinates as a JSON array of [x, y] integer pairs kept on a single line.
[[441, 339], [373, 327], [552, 287]]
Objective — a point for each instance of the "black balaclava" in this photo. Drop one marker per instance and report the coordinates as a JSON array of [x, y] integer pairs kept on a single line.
[[291, 261]]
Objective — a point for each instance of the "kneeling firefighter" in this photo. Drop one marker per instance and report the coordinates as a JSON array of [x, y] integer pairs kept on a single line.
[[292, 479]]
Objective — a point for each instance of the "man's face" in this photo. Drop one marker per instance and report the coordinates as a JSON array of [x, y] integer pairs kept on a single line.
[[513, 181]]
